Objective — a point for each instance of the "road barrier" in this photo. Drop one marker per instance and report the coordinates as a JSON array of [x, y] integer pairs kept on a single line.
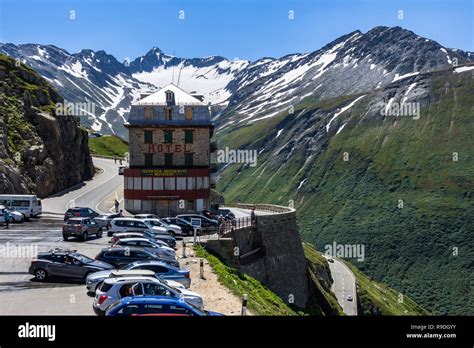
[[244, 305], [201, 268]]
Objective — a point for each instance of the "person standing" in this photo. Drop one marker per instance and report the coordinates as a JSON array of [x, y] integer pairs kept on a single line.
[[253, 217], [7, 218], [117, 204]]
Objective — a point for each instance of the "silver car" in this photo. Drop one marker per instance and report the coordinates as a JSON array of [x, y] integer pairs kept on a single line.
[[157, 269], [105, 220], [114, 289], [147, 244]]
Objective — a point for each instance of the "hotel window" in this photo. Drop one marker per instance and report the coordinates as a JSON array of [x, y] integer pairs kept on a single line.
[[148, 160], [188, 159], [181, 183], [169, 96], [148, 113], [199, 182], [129, 183], [147, 183], [137, 204], [168, 114], [168, 159], [168, 137], [148, 137], [188, 136], [191, 183], [190, 205], [206, 182], [189, 113], [158, 184], [137, 183], [170, 183]]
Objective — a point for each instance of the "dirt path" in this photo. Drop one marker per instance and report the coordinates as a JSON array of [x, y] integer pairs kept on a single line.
[[216, 296]]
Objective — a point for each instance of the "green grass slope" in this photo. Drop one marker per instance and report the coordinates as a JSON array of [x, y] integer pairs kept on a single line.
[[108, 145], [425, 248]]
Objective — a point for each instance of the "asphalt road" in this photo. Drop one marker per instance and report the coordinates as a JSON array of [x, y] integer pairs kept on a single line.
[[88, 194], [344, 285], [19, 293]]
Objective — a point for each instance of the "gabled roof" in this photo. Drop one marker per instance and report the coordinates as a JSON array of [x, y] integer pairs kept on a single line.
[[180, 97]]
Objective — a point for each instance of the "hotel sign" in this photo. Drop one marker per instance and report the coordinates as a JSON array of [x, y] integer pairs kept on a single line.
[[164, 172]]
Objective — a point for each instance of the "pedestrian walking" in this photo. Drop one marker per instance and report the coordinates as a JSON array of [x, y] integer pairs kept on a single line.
[[7, 218], [116, 204]]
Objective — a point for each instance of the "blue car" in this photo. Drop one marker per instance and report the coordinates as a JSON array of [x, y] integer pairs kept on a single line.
[[155, 306]]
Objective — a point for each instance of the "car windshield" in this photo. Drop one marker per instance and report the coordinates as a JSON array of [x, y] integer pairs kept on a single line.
[[153, 223], [82, 258]]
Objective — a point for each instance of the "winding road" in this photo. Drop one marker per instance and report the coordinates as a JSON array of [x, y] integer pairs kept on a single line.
[[90, 193], [344, 285]]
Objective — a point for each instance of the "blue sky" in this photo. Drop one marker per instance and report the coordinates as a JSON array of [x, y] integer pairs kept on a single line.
[[245, 29]]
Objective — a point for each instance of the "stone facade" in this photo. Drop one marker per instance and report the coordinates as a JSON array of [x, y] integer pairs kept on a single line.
[[272, 253], [199, 147], [169, 154]]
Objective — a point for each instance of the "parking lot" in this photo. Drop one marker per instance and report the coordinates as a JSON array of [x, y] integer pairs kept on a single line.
[[22, 295]]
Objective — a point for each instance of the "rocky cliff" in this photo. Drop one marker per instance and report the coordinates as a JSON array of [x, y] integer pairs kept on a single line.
[[39, 152]]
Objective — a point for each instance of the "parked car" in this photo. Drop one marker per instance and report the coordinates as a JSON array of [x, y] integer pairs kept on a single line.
[[146, 244], [153, 235], [173, 230], [157, 268], [349, 298], [81, 227], [146, 216], [186, 227], [170, 240], [65, 263], [226, 212], [121, 170], [16, 216], [206, 223], [80, 212], [113, 289], [105, 220], [28, 205], [2, 213], [126, 224], [141, 234], [119, 257], [155, 305]]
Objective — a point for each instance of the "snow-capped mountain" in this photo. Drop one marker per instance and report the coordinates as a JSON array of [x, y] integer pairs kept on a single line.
[[112, 86], [241, 91], [351, 64], [208, 76]]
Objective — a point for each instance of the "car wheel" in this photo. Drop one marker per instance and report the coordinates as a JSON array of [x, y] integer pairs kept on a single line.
[[23, 218], [40, 274], [99, 233], [171, 233], [65, 237], [84, 236]]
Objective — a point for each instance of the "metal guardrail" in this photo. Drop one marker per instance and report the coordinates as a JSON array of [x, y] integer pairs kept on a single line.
[[108, 157], [263, 207]]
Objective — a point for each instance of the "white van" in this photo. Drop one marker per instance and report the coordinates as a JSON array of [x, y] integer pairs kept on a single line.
[[132, 224], [28, 205]]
